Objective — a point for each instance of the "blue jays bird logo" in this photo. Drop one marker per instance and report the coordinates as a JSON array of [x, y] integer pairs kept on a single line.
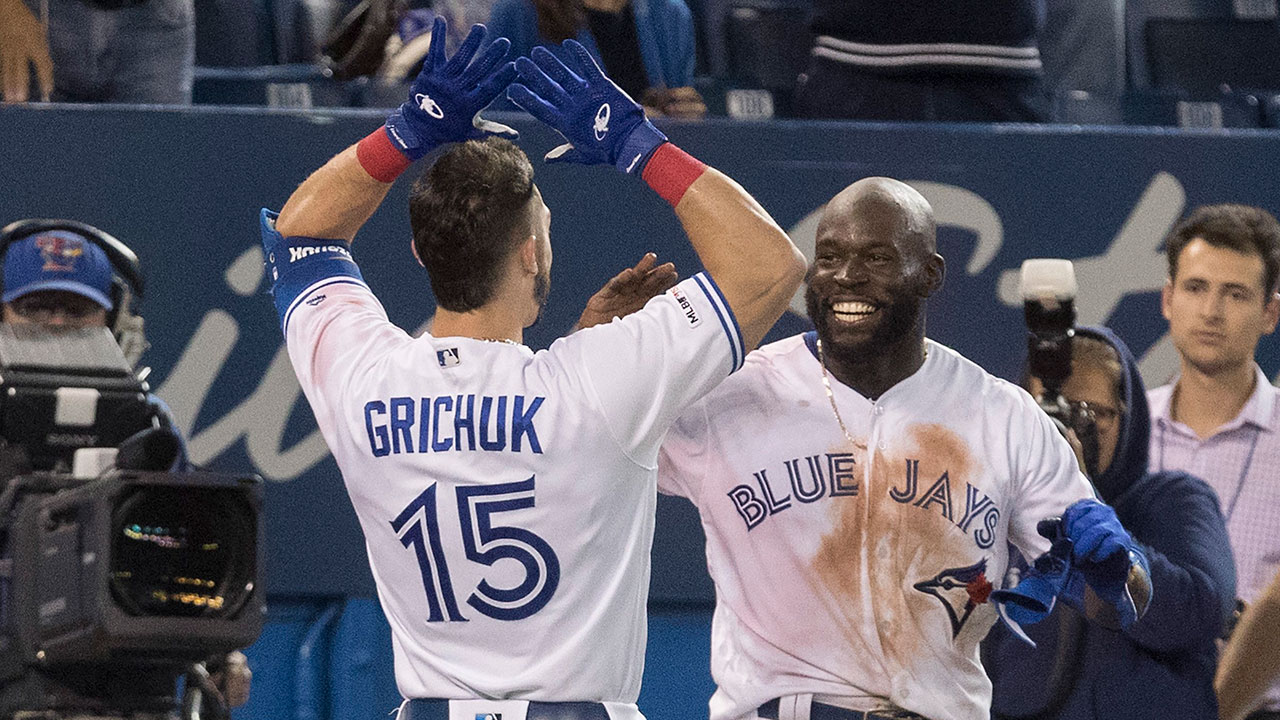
[[960, 590], [59, 253]]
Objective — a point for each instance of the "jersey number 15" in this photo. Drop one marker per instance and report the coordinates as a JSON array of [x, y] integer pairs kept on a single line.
[[484, 543]]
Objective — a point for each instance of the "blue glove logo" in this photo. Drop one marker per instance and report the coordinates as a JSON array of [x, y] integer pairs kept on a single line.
[[447, 96], [429, 106], [601, 125]]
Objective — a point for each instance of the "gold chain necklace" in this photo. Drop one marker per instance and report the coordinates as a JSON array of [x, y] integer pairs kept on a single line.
[[831, 396]]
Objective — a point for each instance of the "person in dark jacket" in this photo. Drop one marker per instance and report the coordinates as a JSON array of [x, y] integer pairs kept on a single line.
[[925, 60], [1162, 667]]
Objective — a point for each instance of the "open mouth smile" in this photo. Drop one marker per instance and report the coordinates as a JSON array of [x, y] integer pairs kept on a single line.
[[853, 311]]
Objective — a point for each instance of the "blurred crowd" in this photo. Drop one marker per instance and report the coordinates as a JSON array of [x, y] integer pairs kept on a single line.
[[1209, 63]]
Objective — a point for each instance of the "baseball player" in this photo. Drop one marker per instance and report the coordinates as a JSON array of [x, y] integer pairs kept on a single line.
[[507, 496], [858, 486]]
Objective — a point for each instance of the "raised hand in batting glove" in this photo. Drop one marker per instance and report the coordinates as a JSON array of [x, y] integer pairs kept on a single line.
[[1109, 560], [446, 98], [600, 121]]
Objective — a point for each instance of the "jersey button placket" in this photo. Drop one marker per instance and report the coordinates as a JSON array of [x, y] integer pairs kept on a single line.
[[877, 411]]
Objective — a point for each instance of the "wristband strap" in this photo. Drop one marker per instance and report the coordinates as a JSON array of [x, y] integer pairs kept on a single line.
[[383, 161], [637, 149], [670, 172]]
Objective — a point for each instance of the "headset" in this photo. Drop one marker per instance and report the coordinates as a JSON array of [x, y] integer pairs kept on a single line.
[[127, 284]]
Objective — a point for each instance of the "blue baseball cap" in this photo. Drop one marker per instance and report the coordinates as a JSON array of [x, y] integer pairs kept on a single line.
[[57, 260]]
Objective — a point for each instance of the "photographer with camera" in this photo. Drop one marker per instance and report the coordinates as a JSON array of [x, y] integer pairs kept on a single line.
[[67, 318], [1162, 665]]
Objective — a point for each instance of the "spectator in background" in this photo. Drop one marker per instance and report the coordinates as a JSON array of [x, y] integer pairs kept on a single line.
[[127, 51], [931, 60], [1220, 418], [645, 46], [1162, 666], [1082, 46], [1251, 660]]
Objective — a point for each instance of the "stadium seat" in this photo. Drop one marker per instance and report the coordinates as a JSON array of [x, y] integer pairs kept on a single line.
[[286, 86], [759, 44], [749, 39], [233, 33], [263, 52], [1198, 46]]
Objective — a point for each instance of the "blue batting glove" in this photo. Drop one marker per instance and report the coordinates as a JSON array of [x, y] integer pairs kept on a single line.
[[1035, 595], [1104, 555], [601, 123], [446, 98]]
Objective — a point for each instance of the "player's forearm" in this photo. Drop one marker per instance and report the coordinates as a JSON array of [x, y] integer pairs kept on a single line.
[[751, 259], [1251, 660], [334, 202]]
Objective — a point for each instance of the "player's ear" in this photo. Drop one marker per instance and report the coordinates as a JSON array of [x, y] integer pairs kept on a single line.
[[414, 247], [935, 273], [528, 253]]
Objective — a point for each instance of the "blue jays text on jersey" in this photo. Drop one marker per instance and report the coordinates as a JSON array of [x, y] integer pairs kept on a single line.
[[458, 423], [834, 475]]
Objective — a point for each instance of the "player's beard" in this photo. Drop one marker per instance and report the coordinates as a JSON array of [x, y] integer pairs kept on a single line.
[[900, 317], [541, 289]]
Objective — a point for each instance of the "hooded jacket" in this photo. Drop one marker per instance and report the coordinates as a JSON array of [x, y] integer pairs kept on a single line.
[[1162, 667]]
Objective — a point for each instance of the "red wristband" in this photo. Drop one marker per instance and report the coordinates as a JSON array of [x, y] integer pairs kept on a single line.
[[383, 161], [670, 172]]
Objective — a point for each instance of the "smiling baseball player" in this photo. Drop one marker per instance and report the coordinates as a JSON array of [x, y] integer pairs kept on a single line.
[[507, 496], [859, 486]]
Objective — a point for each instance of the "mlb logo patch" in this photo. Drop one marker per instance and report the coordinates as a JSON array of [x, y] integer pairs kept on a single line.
[[488, 716], [449, 358], [686, 307]]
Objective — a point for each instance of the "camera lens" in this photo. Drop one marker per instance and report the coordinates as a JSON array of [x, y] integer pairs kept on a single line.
[[182, 552]]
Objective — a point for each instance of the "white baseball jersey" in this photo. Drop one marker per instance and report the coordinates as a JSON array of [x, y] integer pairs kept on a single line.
[[506, 497], [861, 571]]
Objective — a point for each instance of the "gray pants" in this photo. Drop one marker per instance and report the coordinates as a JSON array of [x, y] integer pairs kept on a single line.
[[142, 54]]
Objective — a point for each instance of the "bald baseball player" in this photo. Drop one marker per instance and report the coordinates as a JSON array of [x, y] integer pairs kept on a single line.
[[506, 496], [859, 486]]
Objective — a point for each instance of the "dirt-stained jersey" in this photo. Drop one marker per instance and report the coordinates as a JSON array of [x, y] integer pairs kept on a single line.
[[506, 496], [862, 569]]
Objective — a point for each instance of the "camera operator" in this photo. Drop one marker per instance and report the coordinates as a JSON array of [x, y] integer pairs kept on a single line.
[[56, 277], [1162, 666]]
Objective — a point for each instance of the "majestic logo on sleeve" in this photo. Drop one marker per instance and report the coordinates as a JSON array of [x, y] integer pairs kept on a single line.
[[429, 106], [601, 125], [960, 590]]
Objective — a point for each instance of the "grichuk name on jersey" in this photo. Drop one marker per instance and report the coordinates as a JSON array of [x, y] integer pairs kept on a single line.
[[297, 253], [452, 423], [833, 475]]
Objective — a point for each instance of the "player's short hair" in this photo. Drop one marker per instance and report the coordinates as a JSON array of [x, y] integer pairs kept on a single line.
[[469, 210], [1242, 228]]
